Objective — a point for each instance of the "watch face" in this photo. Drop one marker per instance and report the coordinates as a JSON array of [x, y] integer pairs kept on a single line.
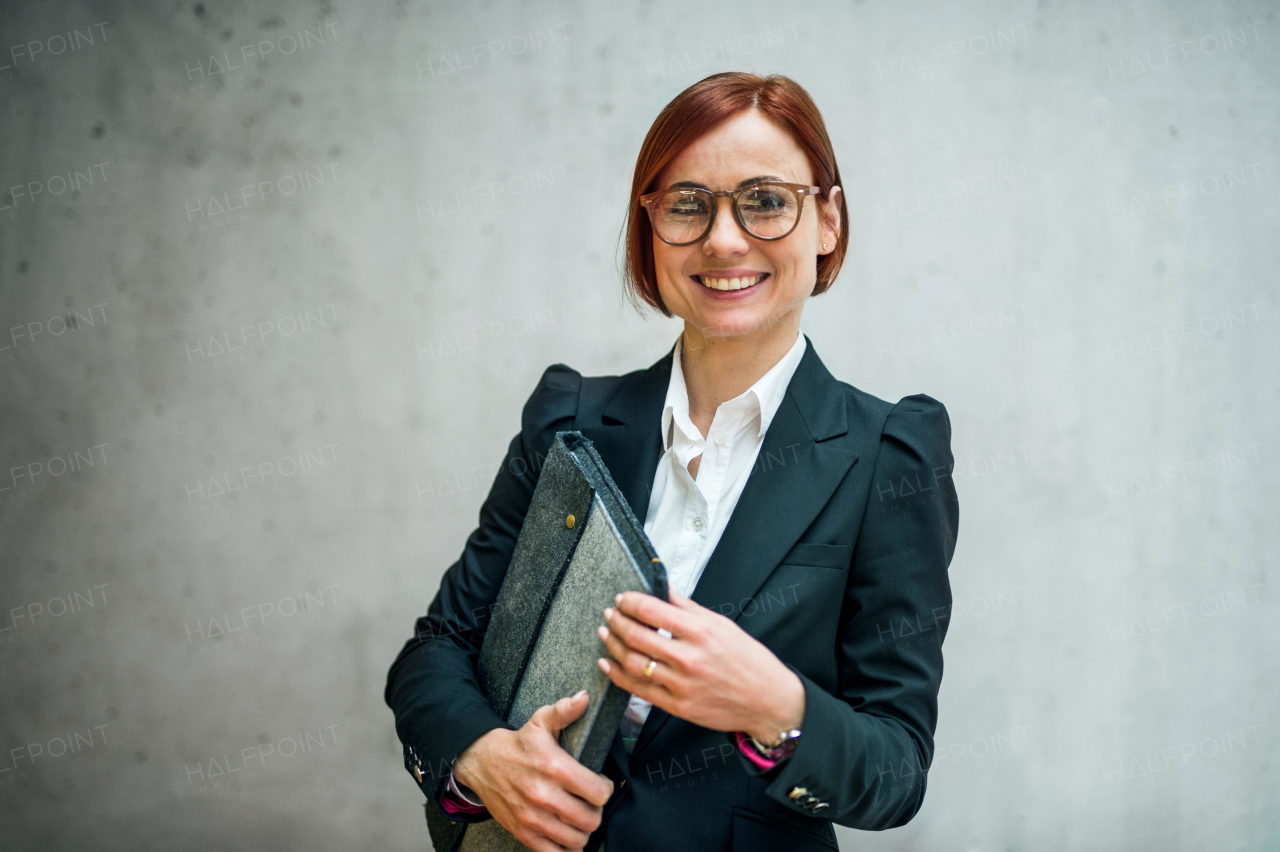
[[785, 746]]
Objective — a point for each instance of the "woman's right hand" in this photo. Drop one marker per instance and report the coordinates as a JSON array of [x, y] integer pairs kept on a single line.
[[531, 786]]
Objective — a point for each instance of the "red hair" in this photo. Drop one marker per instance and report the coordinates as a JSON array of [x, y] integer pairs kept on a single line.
[[694, 112]]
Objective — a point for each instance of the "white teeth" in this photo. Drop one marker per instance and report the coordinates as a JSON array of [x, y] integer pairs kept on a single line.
[[730, 283]]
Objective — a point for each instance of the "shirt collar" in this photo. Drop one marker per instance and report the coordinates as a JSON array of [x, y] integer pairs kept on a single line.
[[765, 395]]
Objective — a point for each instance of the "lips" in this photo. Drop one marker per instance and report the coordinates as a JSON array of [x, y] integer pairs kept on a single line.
[[737, 282]]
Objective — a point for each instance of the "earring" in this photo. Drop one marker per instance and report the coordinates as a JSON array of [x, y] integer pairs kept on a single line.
[[824, 246]]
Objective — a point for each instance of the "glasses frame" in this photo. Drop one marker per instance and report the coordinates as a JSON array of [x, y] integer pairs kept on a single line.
[[801, 190]]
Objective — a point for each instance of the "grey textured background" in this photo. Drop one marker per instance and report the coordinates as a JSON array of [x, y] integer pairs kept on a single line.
[[1064, 222]]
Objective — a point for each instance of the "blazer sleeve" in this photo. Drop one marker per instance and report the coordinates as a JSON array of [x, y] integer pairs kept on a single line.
[[433, 687], [865, 752]]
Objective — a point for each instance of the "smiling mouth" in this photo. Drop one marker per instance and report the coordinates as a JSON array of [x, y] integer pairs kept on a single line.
[[740, 283]]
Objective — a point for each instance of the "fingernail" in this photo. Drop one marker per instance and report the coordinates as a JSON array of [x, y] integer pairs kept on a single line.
[[603, 632], [578, 694], [603, 664], [617, 598], [608, 613]]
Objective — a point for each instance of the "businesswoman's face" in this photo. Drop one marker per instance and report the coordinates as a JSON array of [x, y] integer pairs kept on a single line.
[[775, 277]]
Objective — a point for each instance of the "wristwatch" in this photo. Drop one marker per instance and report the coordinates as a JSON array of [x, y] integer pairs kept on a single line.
[[782, 747]]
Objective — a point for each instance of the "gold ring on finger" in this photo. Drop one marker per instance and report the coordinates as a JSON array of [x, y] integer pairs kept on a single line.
[[649, 667]]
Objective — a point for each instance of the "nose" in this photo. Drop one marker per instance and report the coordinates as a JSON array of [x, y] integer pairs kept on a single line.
[[726, 237]]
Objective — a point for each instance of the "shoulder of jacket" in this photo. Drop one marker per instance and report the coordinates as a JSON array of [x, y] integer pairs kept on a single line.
[[867, 403], [870, 406], [913, 416], [560, 377], [922, 409], [554, 399], [921, 422]]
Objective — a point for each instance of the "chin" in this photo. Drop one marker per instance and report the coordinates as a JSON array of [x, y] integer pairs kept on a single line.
[[734, 324]]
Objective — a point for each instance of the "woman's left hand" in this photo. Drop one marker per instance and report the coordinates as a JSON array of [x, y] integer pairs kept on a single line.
[[709, 671]]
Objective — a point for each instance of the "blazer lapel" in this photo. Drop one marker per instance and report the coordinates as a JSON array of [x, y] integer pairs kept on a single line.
[[629, 434], [796, 472]]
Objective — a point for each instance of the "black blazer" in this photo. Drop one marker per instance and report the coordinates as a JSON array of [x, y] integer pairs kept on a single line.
[[835, 557]]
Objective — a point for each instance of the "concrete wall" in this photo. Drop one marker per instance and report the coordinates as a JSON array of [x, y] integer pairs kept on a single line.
[[227, 261]]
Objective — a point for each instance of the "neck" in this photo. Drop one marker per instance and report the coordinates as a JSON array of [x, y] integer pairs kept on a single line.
[[717, 369]]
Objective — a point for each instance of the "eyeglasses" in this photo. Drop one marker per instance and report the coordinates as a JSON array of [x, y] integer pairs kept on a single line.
[[768, 210]]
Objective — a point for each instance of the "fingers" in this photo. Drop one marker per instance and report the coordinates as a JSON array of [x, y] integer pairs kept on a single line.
[[551, 799], [633, 644], [586, 788], [541, 830], [653, 612], [543, 796], [561, 801], [617, 649], [690, 605], [638, 685], [568, 800], [556, 717], [567, 773]]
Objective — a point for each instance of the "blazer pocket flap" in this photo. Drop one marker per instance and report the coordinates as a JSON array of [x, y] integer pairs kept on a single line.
[[819, 555], [755, 833]]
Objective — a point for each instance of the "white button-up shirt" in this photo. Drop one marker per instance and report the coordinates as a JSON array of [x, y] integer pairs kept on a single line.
[[686, 517]]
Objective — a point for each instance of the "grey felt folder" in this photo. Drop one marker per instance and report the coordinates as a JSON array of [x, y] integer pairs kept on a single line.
[[579, 546]]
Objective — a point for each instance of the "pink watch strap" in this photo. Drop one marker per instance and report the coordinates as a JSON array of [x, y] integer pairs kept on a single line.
[[753, 755]]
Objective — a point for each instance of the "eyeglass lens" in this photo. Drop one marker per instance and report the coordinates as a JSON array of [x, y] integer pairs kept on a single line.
[[767, 212]]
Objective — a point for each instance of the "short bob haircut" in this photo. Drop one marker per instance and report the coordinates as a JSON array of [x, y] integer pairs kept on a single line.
[[694, 112]]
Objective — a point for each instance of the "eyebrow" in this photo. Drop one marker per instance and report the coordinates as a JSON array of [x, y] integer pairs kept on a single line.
[[695, 185]]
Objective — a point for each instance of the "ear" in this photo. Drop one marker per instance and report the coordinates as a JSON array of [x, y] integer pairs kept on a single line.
[[829, 213]]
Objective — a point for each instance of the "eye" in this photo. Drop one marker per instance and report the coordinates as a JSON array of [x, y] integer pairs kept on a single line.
[[764, 200], [683, 205]]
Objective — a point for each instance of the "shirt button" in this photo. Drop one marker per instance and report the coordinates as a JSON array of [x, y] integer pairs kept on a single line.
[[719, 437], [698, 524]]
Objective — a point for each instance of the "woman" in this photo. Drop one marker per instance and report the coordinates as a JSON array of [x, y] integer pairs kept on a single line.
[[806, 527]]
